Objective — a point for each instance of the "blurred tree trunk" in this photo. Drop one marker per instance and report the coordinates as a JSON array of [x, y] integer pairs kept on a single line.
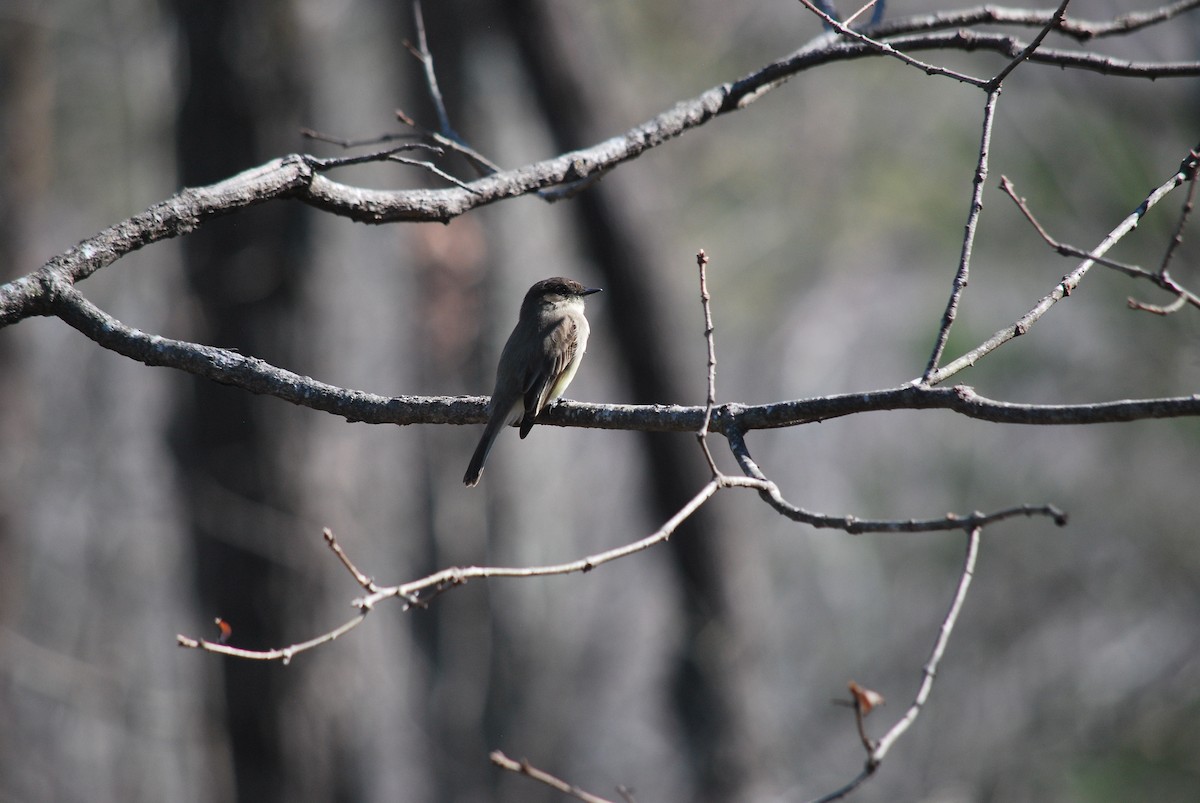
[[245, 274], [705, 680], [26, 100], [616, 241], [455, 272], [24, 154]]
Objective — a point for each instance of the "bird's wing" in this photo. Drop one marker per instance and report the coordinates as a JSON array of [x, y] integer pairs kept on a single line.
[[561, 342]]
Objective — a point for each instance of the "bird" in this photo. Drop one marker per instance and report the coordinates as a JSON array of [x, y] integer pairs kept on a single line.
[[538, 362]]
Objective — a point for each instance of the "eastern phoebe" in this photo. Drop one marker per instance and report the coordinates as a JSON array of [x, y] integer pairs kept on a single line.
[[538, 362]]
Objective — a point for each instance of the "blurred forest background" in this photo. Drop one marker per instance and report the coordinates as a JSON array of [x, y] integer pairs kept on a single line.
[[137, 503]]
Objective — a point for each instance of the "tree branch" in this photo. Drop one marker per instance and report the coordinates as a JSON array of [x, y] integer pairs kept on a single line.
[[962, 275], [1187, 170], [1055, 20], [523, 767], [710, 399], [298, 176], [853, 525], [885, 49], [1160, 277], [419, 592], [257, 376], [1081, 30], [876, 755]]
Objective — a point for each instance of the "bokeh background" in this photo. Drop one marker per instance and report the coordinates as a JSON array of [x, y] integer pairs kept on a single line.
[[137, 503]]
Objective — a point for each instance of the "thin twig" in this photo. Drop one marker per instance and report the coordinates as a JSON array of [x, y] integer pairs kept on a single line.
[[981, 171], [523, 767], [1160, 278], [1069, 282], [1011, 46], [421, 51], [876, 755], [853, 525], [1055, 20], [360, 578], [1184, 214], [939, 649], [861, 725], [711, 397], [283, 654], [460, 576], [342, 142], [863, 701], [443, 143], [838, 794], [887, 50], [1133, 20], [322, 165], [446, 135], [964, 260], [1158, 309], [483, 165], [1009, 189], [326, 164], [437, 171], [418, 592], [1078, 29], [850, 20]]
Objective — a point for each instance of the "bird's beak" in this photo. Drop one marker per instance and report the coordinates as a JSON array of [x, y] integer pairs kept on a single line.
[[591, 290]]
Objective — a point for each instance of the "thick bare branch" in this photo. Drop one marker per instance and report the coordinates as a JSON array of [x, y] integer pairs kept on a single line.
[[258, 376], [254, 375], [297, 176]]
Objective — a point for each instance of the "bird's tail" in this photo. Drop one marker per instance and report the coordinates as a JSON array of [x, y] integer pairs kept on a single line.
[[475, 468]]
